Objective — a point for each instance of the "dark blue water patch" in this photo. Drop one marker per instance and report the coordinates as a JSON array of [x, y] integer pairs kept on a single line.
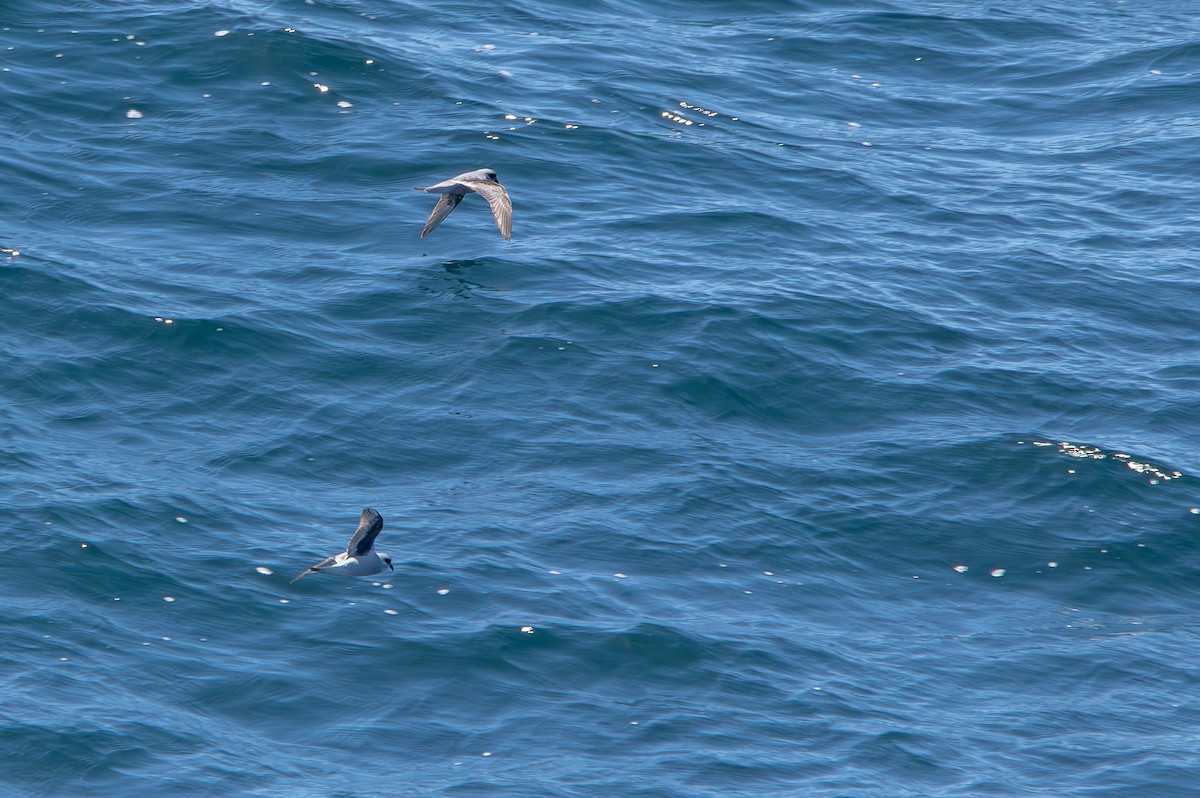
[[762, 460]]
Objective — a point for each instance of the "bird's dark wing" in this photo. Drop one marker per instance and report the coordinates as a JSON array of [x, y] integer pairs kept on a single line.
[[445, 204], [316, 569], [369, 527]]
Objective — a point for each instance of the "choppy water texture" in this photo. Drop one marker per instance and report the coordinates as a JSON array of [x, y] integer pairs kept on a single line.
[[828, 428]]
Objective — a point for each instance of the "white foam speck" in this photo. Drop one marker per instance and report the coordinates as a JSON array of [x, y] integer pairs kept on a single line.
[[264, 570], [221, 33], [391, 612], [181, 519], [168, 598], [285, 601], [441, 591], [344, 104], [527, 630], [134, 113], [998, 572]]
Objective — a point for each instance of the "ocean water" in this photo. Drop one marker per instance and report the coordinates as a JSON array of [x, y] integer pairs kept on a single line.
[[828, 427]]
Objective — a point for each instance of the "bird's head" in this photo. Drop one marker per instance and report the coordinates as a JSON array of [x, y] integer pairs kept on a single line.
[[386, 559]]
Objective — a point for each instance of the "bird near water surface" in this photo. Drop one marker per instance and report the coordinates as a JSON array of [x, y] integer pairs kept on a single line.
[[482, 182], [360, 557]]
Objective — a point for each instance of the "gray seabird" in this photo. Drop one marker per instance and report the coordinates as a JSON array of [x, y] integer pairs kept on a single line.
[[360, 557], [482, 182]]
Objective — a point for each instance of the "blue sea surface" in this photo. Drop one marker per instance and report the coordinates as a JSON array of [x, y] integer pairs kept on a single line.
[[828, 428]]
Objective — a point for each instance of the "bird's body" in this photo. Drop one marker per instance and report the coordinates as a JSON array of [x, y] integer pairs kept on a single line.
[[360, 557], [482, 182]]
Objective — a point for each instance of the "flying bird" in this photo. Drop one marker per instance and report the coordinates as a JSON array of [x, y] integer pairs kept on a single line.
[[482, 182], [360, 557]]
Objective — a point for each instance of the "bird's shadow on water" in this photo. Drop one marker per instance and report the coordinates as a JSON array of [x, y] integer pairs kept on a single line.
[[457, 267], [449, 278]]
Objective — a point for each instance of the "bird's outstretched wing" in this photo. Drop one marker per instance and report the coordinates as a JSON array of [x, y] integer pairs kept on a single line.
[[497, 197], [445, 204], [315, 569], [370, 524]]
